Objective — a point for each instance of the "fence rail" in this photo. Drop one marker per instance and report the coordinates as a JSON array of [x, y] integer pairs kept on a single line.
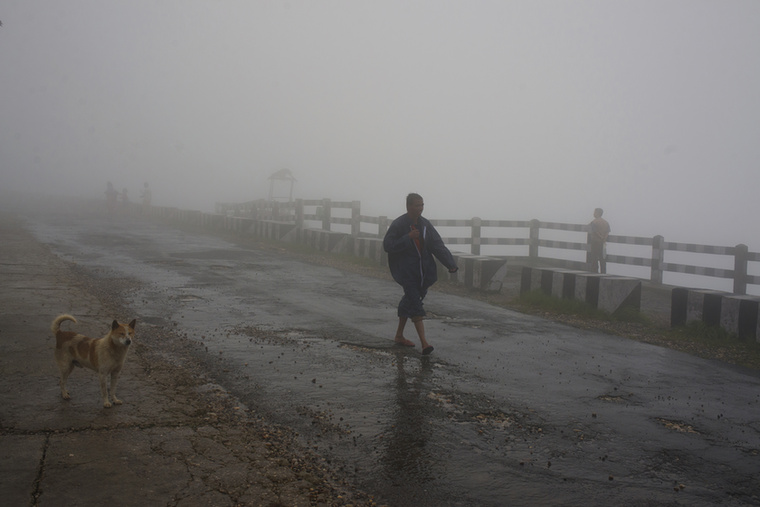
[[529, 234]]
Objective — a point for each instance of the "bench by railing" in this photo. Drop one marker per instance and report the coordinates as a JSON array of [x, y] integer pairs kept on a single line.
[[527, 235]]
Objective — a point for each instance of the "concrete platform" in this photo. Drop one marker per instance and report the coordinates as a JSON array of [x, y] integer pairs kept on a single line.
[[607, 292]]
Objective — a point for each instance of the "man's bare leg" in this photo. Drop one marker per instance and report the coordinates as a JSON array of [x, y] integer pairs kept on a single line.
[[399, 339], [419, 325]]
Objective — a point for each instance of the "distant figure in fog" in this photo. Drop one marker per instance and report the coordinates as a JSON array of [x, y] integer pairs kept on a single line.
[[124, 198], [111, 196], [145, 196], [597, 238], [411, 243]]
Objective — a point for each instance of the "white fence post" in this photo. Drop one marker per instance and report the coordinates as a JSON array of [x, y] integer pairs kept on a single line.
[[658, 257], [740, 269]]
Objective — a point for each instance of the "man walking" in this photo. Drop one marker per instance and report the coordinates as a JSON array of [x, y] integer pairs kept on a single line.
[[411, 242]]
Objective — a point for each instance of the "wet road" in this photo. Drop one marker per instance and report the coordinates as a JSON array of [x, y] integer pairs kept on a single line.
[[509, 409]]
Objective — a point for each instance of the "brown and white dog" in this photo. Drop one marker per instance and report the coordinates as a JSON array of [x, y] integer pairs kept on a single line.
[[104, 355]]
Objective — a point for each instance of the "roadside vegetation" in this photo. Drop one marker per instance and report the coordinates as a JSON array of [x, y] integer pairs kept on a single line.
[[540, 301], [711, 342]]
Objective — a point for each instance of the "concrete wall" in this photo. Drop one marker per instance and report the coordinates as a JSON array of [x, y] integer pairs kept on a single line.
[[735, 313], [607, 292]]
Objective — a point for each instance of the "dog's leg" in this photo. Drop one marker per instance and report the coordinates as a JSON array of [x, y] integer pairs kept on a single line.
[[114, 381], [65, 372], [104, 390]]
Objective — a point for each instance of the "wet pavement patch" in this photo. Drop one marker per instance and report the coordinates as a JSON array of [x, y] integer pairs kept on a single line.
[[679, 426]]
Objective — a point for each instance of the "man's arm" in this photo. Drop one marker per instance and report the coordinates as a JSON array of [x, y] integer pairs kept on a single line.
[[396, 239], [438, 249]]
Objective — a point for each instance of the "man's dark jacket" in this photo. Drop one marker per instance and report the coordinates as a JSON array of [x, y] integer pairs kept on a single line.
[[408, 266]]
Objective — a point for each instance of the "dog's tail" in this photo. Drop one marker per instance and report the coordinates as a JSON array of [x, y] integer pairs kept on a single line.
[[56, 325]]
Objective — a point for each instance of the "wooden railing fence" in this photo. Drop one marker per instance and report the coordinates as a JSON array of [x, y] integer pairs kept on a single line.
[[528, 234]]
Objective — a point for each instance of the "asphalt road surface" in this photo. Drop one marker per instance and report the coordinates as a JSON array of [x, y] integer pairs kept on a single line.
[[509, 409]]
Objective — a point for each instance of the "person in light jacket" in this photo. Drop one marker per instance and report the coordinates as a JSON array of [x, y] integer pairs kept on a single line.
[[597, 237]]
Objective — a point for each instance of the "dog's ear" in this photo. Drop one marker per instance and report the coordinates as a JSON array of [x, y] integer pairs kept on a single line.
[[132, 324], [114, 325]]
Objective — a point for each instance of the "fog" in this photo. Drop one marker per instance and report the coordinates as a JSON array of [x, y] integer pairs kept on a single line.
[[500, 109]]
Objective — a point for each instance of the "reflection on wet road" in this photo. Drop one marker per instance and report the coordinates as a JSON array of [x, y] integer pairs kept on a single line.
[[509, 410]]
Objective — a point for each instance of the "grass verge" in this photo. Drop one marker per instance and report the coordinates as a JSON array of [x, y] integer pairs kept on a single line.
[[581, 309], [696, 338]]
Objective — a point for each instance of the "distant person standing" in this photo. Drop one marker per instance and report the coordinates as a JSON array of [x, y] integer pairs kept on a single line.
[[411, 243], [600, 229], [145, 196], [124, 198]]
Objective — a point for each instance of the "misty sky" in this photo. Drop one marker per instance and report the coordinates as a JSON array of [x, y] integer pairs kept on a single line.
[[500, 109]]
